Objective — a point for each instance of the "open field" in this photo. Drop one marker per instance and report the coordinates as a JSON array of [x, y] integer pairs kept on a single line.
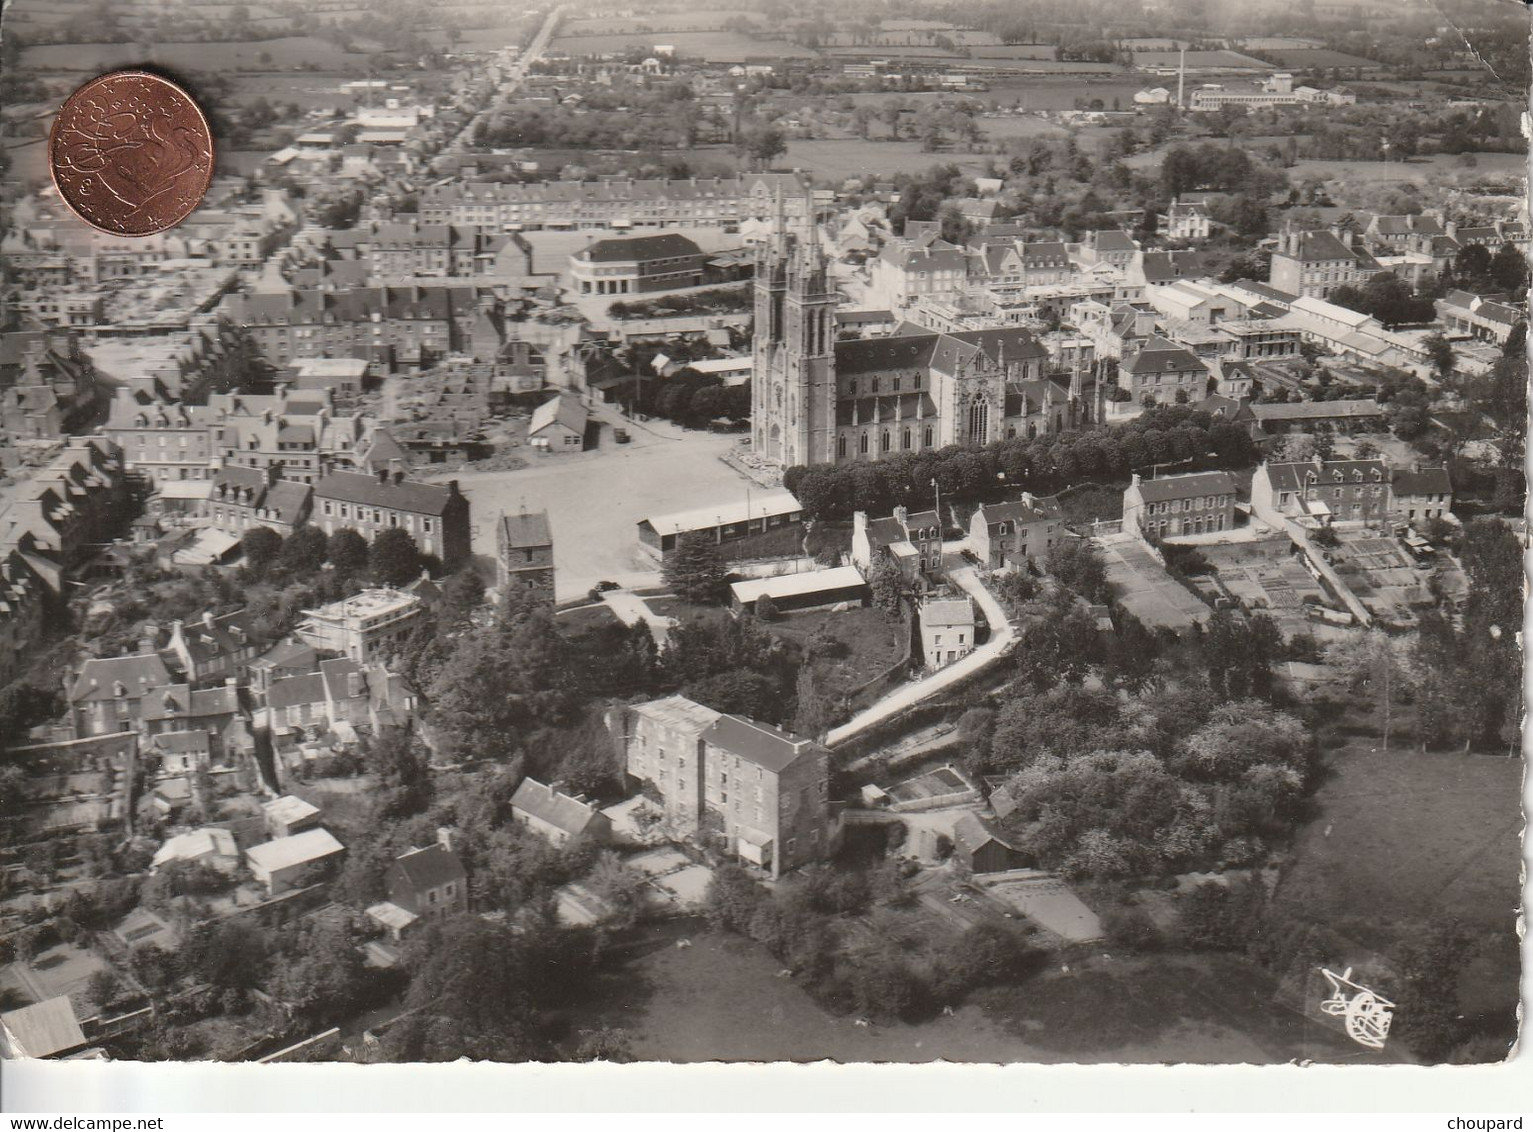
[[96, 57], [1407, 836], [838, 160], [1021, 127], [1308, 58], [712, 46], [710, 20], [1200, 61], [721, 1000]]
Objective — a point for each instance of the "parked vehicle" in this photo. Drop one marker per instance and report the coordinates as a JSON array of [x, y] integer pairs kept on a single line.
[[621, 435]]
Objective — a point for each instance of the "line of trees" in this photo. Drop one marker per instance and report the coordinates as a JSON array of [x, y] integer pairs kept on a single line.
[[1176, 435]]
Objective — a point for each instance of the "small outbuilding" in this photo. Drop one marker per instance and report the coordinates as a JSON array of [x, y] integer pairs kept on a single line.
[[983, 848], [810, 590], [293, 862], [558, 817]]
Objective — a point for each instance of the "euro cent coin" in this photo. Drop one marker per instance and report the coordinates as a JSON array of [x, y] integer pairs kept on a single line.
[[131, 153]]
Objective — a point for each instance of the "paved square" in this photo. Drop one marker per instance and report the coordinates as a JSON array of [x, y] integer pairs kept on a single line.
[[595, 500]]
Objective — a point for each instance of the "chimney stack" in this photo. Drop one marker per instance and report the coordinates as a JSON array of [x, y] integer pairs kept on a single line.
[[444, 837]]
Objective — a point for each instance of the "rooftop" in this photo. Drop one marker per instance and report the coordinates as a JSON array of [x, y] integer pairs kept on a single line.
[[299, 849], [754, 742]]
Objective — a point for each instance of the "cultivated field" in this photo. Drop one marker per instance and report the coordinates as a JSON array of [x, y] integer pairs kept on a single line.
[[1200, 60], [838, 160], [1308, 58], [709, 46], [95, 57]]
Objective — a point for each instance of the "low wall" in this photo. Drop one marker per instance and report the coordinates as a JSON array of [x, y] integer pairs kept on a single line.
[[327, 1043]]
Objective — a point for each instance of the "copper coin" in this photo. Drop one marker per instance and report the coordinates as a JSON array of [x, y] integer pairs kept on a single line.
[[131, 154]]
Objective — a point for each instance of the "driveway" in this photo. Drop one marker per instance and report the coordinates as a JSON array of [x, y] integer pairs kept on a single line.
[[1002, 636], [630, 609]]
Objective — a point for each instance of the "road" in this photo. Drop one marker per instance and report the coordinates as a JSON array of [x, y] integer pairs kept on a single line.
[[518, 72], [630, 609], [1002, 636]]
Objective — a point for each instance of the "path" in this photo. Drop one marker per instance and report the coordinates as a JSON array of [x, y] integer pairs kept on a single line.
[[514, 78], [630, 609], [1003, 635]]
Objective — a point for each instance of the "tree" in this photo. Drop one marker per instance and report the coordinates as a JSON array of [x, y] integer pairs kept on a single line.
[[812, 711], [1440, 353], [764, 144], [261, 546], [393, 559], [1078, 565], [304, 551], [696, 570], [346, 551], [888, 586], [1508, 268], [766, 608]]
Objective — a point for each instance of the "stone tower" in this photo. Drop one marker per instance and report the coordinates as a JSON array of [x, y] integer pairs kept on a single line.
[[793, 375]]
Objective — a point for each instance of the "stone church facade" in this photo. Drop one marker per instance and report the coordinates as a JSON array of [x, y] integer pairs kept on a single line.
[[819, 401]]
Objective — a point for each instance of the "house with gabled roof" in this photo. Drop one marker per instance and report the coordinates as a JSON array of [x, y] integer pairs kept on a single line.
[[1162, 373], [1014, 533], [1193, 503], [436, 516], [423, 885], [1321, 491], [1314, 264], [215, 646], [107, 694], [557, 817], [559, 424]]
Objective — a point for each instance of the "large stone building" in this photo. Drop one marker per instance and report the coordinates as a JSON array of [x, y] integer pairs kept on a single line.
[[1313, 264], [745, 788], [436, 516], [819, 401]]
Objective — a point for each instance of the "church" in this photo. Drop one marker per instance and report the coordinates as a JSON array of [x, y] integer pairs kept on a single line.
[[816, 400]]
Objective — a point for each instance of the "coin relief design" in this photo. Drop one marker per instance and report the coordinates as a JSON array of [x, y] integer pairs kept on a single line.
[[131, 153]]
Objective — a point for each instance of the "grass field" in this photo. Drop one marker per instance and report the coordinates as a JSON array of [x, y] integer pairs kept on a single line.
[[840, 159], [721, 999], [1200, 60], [706, 45], [710, 20], [1307, 58], [95, 57], [1404, 836]]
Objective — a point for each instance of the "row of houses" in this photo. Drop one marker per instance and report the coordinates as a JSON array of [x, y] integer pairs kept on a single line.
[[616, 203]]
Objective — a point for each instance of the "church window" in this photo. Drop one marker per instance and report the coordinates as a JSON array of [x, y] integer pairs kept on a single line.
[[862, 444], [853, 387], [875, 385], [883, 441], [896, 384], [841, 446], [905, 437], [926, 438]]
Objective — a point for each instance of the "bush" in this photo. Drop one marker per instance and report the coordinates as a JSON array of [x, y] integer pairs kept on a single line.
[[1130, 928], [766, 608]]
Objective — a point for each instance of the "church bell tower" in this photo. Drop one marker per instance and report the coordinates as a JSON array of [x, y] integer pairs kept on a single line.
[[793, 383]]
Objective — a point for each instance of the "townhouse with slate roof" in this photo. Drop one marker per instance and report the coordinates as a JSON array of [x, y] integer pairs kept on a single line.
[[1193, 503], [436, 516], [617, 203], [1313, 264], [1162, 373], [1011, 534], [1324, 491]]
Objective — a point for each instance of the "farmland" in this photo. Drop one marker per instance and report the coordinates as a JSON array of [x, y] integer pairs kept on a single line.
[[294, 51], [1200, 60], [711, 46], [1309, 58], [839, 160]]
